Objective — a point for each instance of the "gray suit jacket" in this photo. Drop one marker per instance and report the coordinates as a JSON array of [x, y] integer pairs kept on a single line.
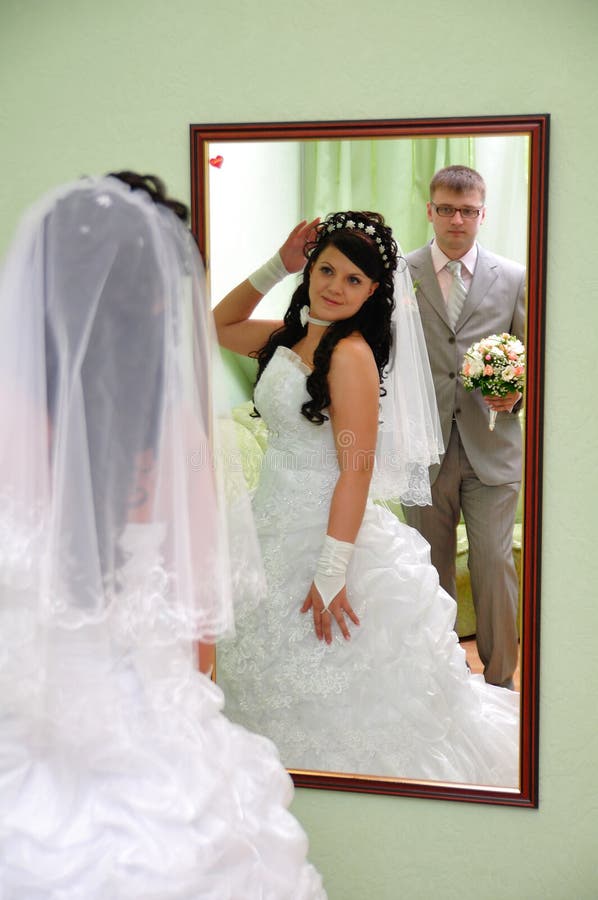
[[495, 303]]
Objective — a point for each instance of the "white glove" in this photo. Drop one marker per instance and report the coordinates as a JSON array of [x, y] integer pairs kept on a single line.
[[264, 278], [332, 568]]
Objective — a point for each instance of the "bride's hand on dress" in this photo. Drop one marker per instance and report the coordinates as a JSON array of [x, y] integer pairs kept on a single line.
[[338, 609], [291, 252]]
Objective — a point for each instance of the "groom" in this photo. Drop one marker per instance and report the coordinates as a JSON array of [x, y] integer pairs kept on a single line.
[[480, 473]]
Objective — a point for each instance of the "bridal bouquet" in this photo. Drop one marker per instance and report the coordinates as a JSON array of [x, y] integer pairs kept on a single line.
[[495, 365]]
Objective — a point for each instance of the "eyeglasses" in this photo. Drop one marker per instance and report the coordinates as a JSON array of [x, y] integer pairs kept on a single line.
[[467, 212]]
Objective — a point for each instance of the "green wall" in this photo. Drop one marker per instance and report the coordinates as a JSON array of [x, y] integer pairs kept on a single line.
[[89, 86]]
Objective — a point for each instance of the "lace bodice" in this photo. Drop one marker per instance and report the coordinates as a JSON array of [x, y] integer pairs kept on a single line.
[[279, 396], [300, 467]]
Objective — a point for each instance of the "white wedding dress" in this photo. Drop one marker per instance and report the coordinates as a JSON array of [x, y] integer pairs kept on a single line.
[[121, 778], [397, 700]]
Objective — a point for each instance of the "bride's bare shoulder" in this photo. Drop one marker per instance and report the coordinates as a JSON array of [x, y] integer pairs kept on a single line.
[[353, 351]]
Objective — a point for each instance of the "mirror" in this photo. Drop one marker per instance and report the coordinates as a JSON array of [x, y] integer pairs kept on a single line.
[[288, 170]]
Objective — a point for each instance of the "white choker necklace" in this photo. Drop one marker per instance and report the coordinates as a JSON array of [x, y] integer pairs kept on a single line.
[[305, 318]]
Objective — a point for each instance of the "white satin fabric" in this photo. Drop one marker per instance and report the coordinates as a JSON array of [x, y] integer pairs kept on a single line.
[[397, 700]]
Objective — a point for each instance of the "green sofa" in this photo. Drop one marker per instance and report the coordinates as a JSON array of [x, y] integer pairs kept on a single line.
[[252, 439]]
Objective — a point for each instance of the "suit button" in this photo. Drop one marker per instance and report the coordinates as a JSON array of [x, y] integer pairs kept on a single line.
[[451, 375], [452, 339], [457, 411]]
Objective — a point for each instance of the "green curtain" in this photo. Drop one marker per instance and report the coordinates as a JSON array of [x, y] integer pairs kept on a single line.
[[388, 175]]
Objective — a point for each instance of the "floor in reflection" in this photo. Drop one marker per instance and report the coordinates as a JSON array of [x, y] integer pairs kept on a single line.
[[471, 651]]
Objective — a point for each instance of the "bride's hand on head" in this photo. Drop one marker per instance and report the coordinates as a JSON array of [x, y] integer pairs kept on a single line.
[[339, 609], [291, 252]]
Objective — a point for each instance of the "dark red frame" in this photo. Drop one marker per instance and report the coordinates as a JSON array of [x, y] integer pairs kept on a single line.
[[537, 128]]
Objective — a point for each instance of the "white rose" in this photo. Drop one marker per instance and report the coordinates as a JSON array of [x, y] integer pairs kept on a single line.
[[508, 373], [476, 367]]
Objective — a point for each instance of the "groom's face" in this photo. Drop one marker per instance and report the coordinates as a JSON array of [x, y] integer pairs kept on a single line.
[[455, 234]]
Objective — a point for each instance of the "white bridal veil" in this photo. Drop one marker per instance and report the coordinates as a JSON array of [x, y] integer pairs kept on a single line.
[[111, 429], [119, 777], [409, 434]]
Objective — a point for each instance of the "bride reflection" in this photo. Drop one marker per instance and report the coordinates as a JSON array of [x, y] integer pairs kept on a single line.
[[351, 663]]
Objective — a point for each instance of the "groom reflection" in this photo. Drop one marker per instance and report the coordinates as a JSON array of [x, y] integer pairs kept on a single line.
[[480, 474]]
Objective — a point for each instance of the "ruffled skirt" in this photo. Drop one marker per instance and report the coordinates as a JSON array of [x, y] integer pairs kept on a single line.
[[115, 785], [397, 700]]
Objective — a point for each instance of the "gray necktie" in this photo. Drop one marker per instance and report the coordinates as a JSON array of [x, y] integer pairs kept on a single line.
[[457, 292]]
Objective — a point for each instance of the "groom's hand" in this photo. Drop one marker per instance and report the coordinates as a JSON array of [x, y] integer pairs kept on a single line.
[[503, 404]]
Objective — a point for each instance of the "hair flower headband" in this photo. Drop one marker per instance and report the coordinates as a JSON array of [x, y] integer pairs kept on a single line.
[[384, 240]]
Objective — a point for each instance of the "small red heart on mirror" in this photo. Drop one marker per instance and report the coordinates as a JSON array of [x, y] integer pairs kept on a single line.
[[217, 161]]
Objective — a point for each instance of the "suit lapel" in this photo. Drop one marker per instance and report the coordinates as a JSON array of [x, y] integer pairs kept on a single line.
[[486, 273], [426, 282]]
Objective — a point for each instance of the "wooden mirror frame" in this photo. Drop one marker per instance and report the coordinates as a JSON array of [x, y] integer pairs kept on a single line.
[[536, 127]]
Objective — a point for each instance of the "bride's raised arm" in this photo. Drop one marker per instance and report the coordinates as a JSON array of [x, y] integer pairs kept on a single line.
[[236, 330]]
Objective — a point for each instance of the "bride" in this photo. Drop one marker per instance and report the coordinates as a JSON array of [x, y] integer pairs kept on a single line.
[[351, 663], [119, 775]]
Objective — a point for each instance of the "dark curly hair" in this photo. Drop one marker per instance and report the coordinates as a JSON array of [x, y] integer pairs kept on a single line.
[[155, 187], [367, 241], [122, 322]]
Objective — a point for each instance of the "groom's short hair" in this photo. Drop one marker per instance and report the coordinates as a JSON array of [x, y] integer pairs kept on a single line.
[[459, 179]]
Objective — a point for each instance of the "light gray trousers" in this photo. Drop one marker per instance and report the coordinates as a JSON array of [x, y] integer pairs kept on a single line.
[[489, 515]]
